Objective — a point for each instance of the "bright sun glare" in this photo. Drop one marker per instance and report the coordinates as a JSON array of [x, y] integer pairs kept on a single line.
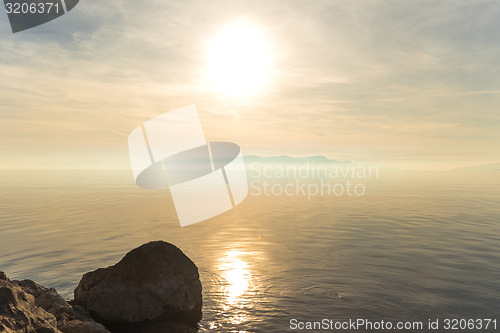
[[239, 60]]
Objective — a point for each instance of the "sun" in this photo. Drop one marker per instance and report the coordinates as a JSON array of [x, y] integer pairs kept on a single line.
[[239, 60]]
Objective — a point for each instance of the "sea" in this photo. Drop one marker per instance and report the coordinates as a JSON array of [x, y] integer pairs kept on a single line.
[[408, 247]]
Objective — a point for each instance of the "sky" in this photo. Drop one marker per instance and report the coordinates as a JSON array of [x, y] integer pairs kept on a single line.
[[405, 84]]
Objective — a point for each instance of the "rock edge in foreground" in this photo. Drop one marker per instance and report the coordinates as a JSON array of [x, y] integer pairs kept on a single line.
[[152, 288], [26, 306]]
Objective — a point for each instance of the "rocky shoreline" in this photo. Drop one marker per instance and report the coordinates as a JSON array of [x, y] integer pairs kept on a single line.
[[154, 288]]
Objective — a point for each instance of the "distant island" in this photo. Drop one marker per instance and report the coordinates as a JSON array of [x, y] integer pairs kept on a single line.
[[482, 167], [284, 159], [288, 159]]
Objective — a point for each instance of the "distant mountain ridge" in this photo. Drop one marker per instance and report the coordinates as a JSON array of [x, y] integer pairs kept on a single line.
[[284, 159], [482, 167]]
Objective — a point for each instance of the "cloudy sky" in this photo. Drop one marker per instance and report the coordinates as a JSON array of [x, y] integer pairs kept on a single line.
[[407, 84]]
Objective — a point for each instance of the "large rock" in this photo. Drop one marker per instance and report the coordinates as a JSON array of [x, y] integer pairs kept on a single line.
[[27, 307], [155, 281]]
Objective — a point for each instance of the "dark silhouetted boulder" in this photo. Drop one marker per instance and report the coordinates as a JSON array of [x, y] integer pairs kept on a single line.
[[153, 282]]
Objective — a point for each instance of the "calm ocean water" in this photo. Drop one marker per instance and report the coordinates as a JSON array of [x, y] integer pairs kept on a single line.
[[416, 246]]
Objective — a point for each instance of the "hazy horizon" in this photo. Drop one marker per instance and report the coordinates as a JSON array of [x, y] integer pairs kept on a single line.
[[480, 167]]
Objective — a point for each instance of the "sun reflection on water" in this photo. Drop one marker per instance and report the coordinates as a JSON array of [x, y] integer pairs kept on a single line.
[[236, 279]]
